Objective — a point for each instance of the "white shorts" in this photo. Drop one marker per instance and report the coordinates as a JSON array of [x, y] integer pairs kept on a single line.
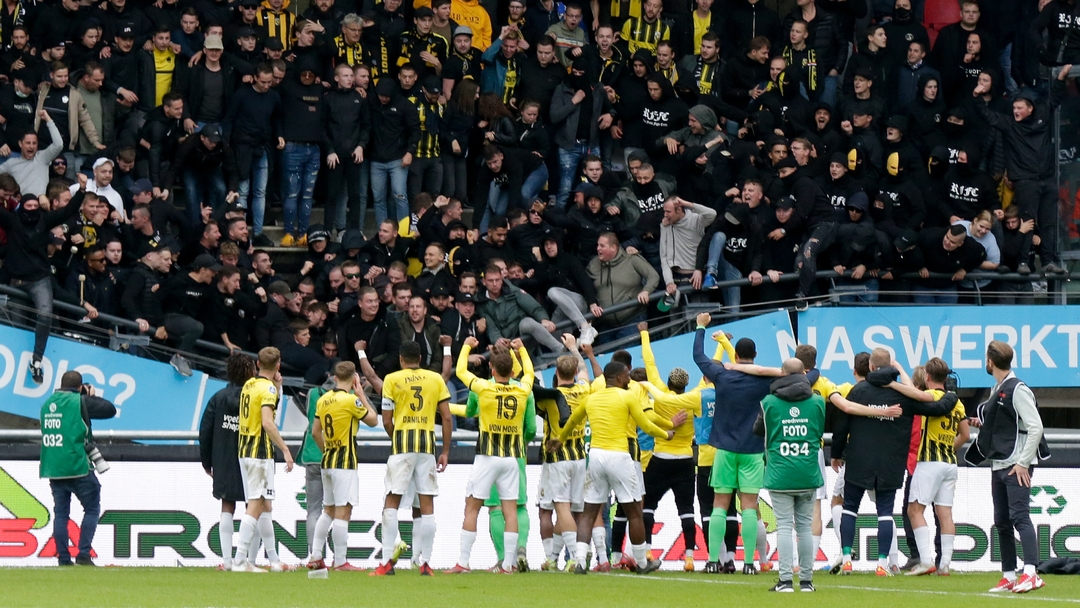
[[838, 486], [411, 470], [563, 482], [258, 477], [933, 482], [499, 471], [640, 480], [821, 493], [340, 487], [609, 472]]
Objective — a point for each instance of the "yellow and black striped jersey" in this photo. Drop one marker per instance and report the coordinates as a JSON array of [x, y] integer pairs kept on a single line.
[[939, 433], [640, 34], [510, 80], [338, 412], [414, 396], [502, 408], [430, 115], [276, 25], [574, 448], [257, 393], [608, 410], [351, 54]]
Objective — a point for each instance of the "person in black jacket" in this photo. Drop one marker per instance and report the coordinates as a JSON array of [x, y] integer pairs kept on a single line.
[[509, 178], [301, 101], [208, 167], [185, 300], [233, 311], [370, 335], [562, 277], [395, 133], [218, 440], [875, 450], [26, 264], [160, 137], [1030, 158], [826, 37], [346, 130], [946, 250], [127, 77], [745, 20]]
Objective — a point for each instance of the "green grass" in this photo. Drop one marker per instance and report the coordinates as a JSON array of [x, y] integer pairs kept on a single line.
[[47, 587]]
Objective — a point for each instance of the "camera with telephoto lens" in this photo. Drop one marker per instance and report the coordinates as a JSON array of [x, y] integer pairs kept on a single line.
[[99, 462]]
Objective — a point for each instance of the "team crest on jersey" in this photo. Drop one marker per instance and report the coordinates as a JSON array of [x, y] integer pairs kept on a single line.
[[272, 390], [794, 412]]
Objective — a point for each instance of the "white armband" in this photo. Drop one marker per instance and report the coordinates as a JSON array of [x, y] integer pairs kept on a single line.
[[361, 354]]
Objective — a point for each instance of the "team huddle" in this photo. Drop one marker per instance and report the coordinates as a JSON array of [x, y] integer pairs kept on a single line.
[[627, 437]]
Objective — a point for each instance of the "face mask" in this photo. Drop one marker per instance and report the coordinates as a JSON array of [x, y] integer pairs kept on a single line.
[[853, 159], [893, 164], [902, 14], [30, 219]]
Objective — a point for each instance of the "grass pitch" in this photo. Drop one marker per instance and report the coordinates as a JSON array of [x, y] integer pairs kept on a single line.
[[78, 586]]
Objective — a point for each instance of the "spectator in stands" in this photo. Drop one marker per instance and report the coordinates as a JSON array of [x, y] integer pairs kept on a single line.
[[621, 278], [579, 112], [346, 129], [367, 337], [509, 178], [395, 134], [681, 230], [233, 311], [948, 251], [208, 167], [253, 125], [184, 300], [417, 326], [31, 168], [511, 313]]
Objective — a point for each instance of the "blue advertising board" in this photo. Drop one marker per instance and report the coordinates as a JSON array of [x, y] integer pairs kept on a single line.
[[148, 395], [1044, 338]]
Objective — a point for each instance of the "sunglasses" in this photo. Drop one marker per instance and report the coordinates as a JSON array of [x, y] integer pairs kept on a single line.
[[353, 276], [95, 261]]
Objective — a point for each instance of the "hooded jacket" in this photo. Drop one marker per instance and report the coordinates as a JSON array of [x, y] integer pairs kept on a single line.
[[395, 128], [585, 227], [876, 449], [565, 113], [744, 22], [218, 441], [902, 205], [1061, 21], [631, 94], [969, 190], [790, 110], [1029, 143], [28, 237], [621, 280], [826, 36], [659, 118], [925, 117], [740, 75], [566, 271], [742, 248]]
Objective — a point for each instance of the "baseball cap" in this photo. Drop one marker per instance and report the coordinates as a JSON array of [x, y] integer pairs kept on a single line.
[[385, 87], [463, 30], [590, 191], [142, 186], [205, 260], [281, 288], [866, 73], [101, 161], [212, 133], [317, 232], [249, 2], [464, 297], [787, 162], [786, 202], [127, 30], [906, 241], [213, 42], [431, 84], [439, 290], [273, 44], [424, 12], [246, 32], [147, 246]]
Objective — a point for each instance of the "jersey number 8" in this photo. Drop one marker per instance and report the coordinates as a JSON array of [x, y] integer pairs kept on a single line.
[[245, 406], [328, 422]]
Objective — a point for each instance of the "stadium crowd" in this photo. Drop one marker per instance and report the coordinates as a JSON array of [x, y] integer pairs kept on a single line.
[[606, 150]]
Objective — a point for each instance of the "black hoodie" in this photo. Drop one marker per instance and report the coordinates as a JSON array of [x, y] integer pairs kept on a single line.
[[631, 94], [925, 117], [969, 189], [876, 449], [659, 118]]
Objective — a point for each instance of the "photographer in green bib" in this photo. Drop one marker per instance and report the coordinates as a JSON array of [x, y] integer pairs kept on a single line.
[[69, 460]]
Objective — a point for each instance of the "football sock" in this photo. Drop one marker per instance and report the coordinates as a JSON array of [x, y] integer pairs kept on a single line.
[[496, 527], [524, 525], [581, 552], [947, 549], [885, 538], [467, 540], [599, 539], [762, 543], [389, 533], [922, 541], [225, 534], [248, 525], [837, 518], [569, 539], [639, 555], [749, 534], [847, 533], [731, 535], [266, 532], [894, 548], [716, 534], [510, 540], [549, 548], [318, 541], [427, 541], [341, 541]]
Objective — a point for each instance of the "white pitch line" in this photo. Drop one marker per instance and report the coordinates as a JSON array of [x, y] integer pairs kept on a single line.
[[857, 588]]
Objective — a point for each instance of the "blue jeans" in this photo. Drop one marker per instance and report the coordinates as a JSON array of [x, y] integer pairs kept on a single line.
[[202, 188], [301, 167], [828, 90], [41, 294], [717, 263], [255, 186], [929, 295], [88, 490], [1006, 69], [568, 164], [392, 176], [499, 199]]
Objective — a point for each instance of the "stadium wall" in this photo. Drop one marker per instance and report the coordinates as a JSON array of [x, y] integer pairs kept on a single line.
[[163, 514]]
